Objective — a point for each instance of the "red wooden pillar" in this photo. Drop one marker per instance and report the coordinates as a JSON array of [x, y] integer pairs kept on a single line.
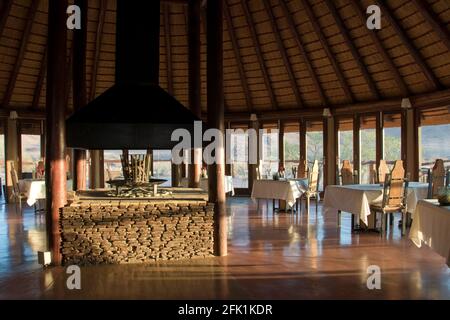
[[79, 89], [216, 120], [194, 83], [55, 111]]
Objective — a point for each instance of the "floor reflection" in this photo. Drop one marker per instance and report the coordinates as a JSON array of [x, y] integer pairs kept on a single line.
[[272, 255]]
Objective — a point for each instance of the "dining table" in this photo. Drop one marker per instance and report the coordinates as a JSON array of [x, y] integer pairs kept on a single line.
[[284, 190], [34, 189], [357, 198], [228, 184], [431, 226]]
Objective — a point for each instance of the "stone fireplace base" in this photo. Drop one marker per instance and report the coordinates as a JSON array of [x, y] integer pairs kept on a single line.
[[114, 232]]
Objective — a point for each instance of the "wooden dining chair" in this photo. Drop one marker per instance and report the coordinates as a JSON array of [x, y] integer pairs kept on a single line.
[[382, 170], [395, 190], [437, 179], [313, 187], [347, 173], [17, 196]]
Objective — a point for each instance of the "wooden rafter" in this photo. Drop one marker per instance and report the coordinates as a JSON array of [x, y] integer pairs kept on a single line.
[[354, 51], [360, 12], [301, 47], [259, 54], [331, 57], [168, 44], [434, 21], [98, 43], [282, 49], [40, 81], [237, 55], [4, 12], [417, 56], [21, 53]]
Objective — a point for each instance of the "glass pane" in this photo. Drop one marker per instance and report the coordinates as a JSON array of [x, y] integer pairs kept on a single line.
[[162, 166], [113, 165], [367, 153], [314, 146], [434, 145], [291, 151], [269, 163], [239, 158], [392, 140], [31, 152], [2, 159], [345, 141]]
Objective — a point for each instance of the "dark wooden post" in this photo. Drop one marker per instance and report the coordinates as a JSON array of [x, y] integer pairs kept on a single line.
[[216, 120], [194, 82], [55, 110], [302, 139], [79, 89], [281, 144], [379, 137], [357, 147]]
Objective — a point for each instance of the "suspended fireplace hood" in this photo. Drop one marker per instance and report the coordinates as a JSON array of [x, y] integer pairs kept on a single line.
[[136, 113]]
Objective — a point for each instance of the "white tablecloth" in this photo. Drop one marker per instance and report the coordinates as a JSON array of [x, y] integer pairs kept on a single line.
[[431, 225], [357, 198], [229, 187], [288, 190], [34, 189]]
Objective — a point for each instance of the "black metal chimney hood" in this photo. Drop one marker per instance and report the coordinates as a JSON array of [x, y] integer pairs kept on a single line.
[[136, 113]]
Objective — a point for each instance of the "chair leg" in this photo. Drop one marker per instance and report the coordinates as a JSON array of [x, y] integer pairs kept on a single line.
[[391, 219], [339, 218], [308, 201], [404, 217], [317, 204], [353, 222], [383, 224]]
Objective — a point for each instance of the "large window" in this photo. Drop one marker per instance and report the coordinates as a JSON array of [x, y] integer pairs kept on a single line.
[[314, 146], [270, 160], [392, 138], [31, 153], [113, 164], [368, 147], [291, 144], [434, 132], [239, 157], [162, 166]]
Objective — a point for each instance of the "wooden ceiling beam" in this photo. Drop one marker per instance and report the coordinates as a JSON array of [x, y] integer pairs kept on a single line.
[[235, 45], [4, 12], [301, 47], [168, 44], [432, 18], [21, 54], [40, 81], [284, 55], [354, 51], [417, 56], [98, 43], [360, 12], [259, 54], [331, 57]]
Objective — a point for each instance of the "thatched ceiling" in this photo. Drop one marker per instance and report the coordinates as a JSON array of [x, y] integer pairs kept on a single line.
[[278, 54]]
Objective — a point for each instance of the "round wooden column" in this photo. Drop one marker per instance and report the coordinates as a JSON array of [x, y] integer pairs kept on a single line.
[[216, 120], [194, 84], [55, 170], [79, 89]]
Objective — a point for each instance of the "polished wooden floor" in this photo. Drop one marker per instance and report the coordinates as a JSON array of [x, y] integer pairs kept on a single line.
[[271, 256]]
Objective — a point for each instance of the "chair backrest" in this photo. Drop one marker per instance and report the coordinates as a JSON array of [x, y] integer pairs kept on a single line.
[[314, 174], [437, 177], [347, 173], [373, 178], [395, 187], [382, 170], [15, 180], [302, 171]]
